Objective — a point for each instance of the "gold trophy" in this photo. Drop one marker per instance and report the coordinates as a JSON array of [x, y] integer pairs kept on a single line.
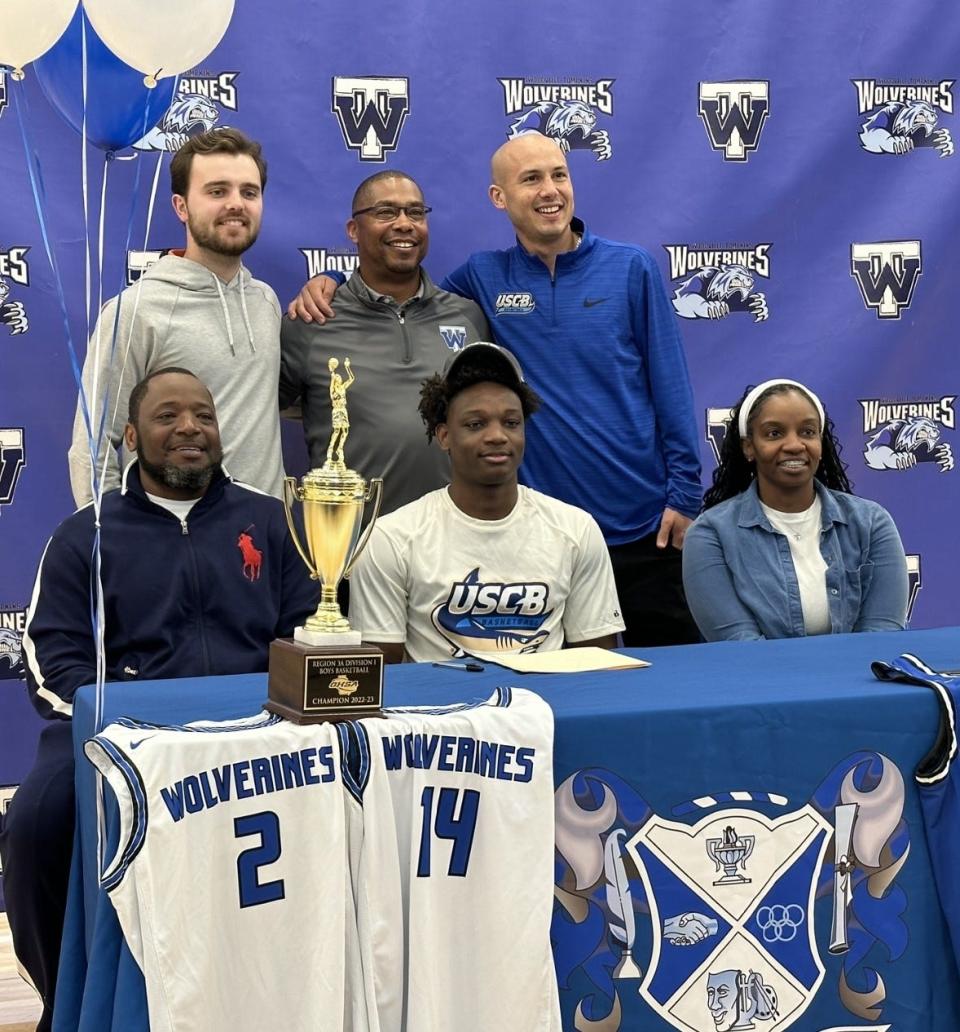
[[324, 672]]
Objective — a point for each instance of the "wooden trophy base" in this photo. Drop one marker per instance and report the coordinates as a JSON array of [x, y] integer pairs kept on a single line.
[[310, 684]]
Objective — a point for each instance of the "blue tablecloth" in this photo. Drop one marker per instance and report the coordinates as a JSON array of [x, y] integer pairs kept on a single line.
[[751, 736]]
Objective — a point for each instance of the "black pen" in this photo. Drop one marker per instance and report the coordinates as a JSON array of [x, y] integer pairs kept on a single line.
[[474, 668]]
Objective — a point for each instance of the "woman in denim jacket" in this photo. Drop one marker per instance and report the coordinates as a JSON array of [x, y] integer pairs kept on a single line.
[[782, 548]]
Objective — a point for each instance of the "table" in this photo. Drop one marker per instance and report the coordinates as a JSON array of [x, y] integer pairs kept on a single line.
[[761, 738]]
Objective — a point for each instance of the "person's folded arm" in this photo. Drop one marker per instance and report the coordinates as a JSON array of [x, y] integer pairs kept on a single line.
[[883, 606], [711, 594], [58, 647]]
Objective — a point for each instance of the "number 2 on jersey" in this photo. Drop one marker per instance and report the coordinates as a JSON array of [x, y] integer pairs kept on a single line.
[[253, 892], [446, 825]]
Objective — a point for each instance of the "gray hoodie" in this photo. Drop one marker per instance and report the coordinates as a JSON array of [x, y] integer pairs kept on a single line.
[[227, 334]]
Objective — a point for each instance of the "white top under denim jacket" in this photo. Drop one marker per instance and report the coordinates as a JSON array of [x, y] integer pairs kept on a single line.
[[740, 580]]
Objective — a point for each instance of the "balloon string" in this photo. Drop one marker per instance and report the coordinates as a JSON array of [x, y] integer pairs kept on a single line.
[[97, 618], [136, 297], [146, 243], [101, 428], [97, 602], [103, 459], [40, 204], [84, 172], [98, 715]]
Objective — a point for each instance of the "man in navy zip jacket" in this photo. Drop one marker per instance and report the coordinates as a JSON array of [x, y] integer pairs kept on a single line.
[[199, 576], [591, 323]]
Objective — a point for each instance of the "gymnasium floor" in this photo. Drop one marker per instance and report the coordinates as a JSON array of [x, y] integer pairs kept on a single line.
[[19, 1007]]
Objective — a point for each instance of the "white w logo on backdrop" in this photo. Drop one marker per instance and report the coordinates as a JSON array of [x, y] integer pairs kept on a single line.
[[13, 457], [886, 273], [734, 114], [371, 112]]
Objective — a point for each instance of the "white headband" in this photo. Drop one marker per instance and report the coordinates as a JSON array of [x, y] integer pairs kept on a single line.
[[751, 399]]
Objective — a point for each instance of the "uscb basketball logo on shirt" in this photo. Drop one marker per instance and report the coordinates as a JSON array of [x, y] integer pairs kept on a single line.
[[903, 117], [714, 281], [493, 617], [905, 433], [329, 259], [517, 303], [201, 99], [565, 110], [14, 272], [734, 114]]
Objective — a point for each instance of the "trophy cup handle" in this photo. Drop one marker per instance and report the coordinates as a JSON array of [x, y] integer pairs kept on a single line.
[[375, 489], [289, 497]]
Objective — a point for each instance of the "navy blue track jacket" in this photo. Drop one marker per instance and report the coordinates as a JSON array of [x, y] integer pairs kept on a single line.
[[189, 598]]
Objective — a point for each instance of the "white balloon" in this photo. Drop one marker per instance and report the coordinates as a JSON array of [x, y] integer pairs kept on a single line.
[[29, 28], [160, 37]]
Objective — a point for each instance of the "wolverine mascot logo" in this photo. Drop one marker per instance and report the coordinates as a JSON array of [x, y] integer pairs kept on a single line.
[[571, 123], [902, 443], [187, 116], [12, 313], [900, 128], [715, 291]]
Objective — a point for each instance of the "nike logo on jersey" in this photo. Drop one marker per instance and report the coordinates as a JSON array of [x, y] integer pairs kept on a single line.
[[589, 302], [140, 741]]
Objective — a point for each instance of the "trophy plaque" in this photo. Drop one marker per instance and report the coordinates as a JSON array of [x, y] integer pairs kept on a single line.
[[324, 672]]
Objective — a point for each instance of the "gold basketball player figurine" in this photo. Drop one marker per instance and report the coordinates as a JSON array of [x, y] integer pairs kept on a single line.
[[339, 417], [307, 672]]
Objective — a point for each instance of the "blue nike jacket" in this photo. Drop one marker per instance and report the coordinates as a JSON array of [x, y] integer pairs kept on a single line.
[[598, 341]]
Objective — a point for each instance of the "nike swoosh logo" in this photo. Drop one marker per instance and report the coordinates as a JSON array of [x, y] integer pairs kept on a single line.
[[589, 302], [140, 741]]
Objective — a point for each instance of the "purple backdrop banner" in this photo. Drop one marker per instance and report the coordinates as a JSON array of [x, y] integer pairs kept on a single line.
[[792, 169]]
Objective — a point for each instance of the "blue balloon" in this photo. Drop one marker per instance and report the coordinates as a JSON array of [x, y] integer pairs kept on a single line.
[[120, 108]]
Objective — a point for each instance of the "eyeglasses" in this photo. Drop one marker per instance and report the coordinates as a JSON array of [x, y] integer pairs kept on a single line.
[[391, 212]]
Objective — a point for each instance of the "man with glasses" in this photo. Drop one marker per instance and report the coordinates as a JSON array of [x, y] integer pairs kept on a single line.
[[397, 329], [591, 322]]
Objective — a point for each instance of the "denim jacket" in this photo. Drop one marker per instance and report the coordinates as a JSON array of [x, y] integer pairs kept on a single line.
[[740, 581]]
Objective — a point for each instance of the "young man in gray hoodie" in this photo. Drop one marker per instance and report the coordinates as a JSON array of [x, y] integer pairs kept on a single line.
[[199, 309]]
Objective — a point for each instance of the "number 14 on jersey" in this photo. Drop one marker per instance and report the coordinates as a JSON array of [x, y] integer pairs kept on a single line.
[[450, 813]]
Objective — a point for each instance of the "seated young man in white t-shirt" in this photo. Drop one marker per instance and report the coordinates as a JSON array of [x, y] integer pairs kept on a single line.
[[486, 565]]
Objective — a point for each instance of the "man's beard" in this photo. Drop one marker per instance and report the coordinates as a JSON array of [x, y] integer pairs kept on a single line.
[[210, 241], [180, 479]]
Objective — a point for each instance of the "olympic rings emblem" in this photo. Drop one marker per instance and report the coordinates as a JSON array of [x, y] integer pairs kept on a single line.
[[780, 923]]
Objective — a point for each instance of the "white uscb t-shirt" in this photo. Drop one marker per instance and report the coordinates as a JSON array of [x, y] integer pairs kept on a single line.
[[447, 584]]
